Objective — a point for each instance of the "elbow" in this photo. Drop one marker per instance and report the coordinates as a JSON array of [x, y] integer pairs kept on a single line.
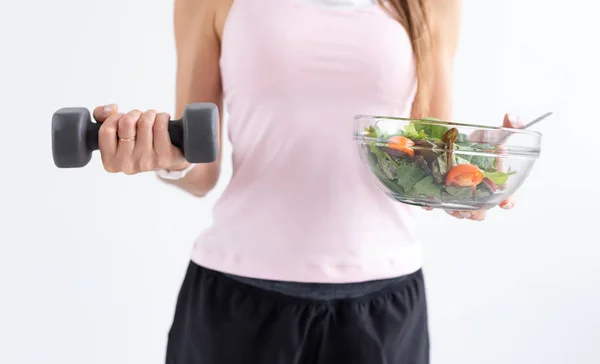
[[205, 185], [200, 193]]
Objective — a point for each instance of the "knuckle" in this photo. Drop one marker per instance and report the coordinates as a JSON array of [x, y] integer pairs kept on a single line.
[[147, 118], [130, 171], [113, 119], [127, 121], [110, 167], [145, 123], [163, 116], [161, 122], [106, 132], [146, 163], [128, 168], [163, 162]]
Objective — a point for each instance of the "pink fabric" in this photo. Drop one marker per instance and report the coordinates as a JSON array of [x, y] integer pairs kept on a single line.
[[301, 206]]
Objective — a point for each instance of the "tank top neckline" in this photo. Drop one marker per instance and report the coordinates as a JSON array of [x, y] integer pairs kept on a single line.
[[311, 6], [373, 8]]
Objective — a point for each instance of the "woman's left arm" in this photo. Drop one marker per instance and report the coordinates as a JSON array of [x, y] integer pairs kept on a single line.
[[445, 18]]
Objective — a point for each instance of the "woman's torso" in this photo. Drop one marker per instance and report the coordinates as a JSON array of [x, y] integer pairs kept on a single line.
[[301, 206]]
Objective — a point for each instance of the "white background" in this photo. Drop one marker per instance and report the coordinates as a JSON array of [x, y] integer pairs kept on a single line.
[[91, 263]]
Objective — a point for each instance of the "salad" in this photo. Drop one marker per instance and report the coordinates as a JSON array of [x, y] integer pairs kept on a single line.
[[434, 162]]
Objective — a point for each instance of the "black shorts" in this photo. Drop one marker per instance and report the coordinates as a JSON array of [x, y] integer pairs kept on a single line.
[[219, 320]]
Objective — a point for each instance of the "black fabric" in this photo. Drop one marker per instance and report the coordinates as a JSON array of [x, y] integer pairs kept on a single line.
[[219, 320], [320, 291]]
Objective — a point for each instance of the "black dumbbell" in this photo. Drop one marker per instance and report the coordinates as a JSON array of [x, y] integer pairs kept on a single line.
[[75, 136]]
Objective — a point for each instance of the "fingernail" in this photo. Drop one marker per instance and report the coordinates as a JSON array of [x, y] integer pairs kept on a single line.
[[507, 206], [108, 108], [515, 121], [465, 214], [450, 212]]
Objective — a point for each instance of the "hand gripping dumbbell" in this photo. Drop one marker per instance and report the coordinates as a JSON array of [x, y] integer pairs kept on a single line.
[[75, 136]]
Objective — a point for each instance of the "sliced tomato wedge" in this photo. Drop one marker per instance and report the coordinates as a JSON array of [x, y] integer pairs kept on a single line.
[[464, 175], [402, 144]]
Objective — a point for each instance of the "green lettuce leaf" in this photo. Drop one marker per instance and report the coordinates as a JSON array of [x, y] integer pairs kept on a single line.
[[427, 188], [372, 132], [454, 194], [389, 169], [388, 183], [484, 163], [409, 174], [412, 133], [380, 154], [462, 138], [460, 192], [432, 131], [499, 178]]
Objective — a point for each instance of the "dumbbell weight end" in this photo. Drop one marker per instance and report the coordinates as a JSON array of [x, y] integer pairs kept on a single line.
[[75, 136]]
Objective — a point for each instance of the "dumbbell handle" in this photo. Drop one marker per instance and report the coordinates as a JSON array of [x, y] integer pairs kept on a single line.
[[175, 132]]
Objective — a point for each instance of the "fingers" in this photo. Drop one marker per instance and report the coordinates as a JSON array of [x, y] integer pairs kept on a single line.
[[486, 136], [479, 215], [496, 136], [101, 113], [511, 121], [162, 140], [136, 142], [508, 204], [458, 214], [126, 131], [477, 136], [144, 151], [107, 142]]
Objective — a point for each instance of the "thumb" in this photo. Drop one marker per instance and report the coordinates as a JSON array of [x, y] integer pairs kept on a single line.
[[508, 204], [101, 113], [511, 121]]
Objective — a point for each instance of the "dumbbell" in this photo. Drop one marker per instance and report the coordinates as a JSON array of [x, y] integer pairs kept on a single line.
[[75, 136]]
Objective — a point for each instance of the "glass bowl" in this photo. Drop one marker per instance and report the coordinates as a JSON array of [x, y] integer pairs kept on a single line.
[[447, 165]]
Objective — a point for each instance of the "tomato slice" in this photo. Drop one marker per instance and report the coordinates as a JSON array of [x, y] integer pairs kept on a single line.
[[402, 144], [464, 175]]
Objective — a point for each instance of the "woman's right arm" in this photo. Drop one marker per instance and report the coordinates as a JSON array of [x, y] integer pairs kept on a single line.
[[198, 79]]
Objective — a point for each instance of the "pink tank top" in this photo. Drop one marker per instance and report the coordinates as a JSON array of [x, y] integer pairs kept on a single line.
[[301, 206]]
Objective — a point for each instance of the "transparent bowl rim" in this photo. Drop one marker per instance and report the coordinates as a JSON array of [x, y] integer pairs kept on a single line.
[[452, 123]]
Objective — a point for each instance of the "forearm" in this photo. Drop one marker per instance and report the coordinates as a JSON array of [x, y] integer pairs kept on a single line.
[[199, 181], [203, 177], [445, 28], [440, 106]]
